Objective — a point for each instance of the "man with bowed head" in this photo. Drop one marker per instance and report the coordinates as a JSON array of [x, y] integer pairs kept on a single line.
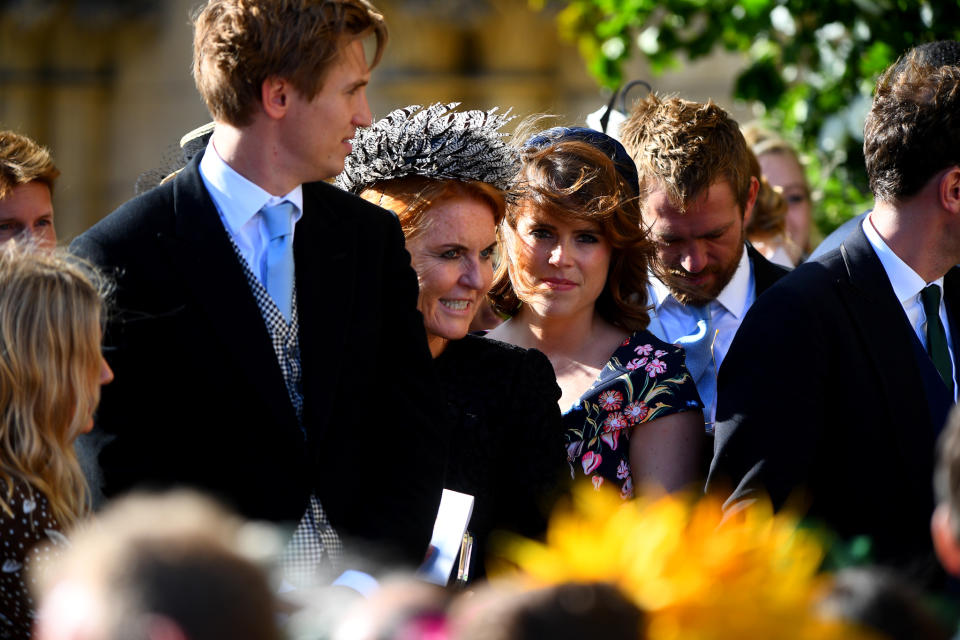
[[695, 175], [843, 373], [266, 341]]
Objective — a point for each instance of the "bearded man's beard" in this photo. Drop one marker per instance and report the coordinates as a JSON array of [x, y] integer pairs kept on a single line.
[[677, 280]]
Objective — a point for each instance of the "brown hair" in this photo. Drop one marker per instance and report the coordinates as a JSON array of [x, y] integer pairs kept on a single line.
[[684, 147], [21, 161], [769, 215], [913, 128], [50, 367], [575, 180], [238, 44], [411, 197]]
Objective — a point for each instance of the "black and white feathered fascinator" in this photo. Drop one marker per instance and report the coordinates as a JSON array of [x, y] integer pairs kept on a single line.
[[435, 142]]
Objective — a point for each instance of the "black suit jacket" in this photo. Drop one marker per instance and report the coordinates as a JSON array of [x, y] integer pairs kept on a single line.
[[765, 273], [199, 398], [827, 396]]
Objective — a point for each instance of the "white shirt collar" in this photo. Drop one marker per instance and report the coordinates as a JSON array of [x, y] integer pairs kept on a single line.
[[734, 297], [906, 282], [237, 198]]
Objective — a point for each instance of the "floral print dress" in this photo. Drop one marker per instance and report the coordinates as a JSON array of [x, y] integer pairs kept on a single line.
[[644, 379]]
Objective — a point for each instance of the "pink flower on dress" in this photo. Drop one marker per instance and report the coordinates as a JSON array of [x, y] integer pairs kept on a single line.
[[597, 481], [636, 363], [659, 353], [590, 462], [615, 421], [623, 470], [611, 438], [655, 367], [610, 400], [636, 411], [626, 491], [643, 349]]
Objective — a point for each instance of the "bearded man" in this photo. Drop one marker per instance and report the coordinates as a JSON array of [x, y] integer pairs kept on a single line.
[[698, 191]]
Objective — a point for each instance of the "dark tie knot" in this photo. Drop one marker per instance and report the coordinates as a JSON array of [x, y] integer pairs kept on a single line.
[[930, 296]]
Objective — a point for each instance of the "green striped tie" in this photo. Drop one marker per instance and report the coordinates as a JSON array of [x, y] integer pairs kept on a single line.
[[936, 336]]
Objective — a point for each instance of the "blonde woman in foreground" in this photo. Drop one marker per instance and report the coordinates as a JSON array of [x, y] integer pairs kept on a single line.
[[51, 370]]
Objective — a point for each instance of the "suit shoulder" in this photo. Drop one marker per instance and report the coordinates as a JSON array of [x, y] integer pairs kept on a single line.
[[502, 351], [345, 203], [140, 217], [502, 359]]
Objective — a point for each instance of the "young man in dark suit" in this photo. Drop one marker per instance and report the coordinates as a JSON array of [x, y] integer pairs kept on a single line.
[[699, 192], [842, 375], [265, 334]]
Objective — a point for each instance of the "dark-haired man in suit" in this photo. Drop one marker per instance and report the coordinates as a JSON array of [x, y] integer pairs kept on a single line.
[[699, 191], [843, 373], [266, 336]]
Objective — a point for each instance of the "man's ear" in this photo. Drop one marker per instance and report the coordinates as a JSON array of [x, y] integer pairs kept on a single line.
[[751, 200], [944, 541], [950, 190], [275, 97]]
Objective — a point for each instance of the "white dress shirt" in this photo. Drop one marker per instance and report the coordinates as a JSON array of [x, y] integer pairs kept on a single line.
[[238, 201], [671, 320], [907, 285]]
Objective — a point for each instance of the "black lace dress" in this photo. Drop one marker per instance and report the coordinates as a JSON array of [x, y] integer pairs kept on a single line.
[[29, 536], [505, 444]]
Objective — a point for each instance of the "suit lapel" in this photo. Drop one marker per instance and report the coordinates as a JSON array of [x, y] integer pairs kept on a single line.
[[765, 273], [889, 343], [201, 251], [951, 296], [325, 255]]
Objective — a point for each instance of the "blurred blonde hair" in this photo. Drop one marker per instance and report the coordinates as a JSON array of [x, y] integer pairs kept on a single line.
[[50, 365]]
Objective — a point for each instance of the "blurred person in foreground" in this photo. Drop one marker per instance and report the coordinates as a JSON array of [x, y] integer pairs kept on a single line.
[[881, 601], [27, 175], [256, 303], [569, 610], [158, 567], [945, 523], [842, 374], [51, 371], [698, 191], [445, 174], [780, 165], [573, 278]]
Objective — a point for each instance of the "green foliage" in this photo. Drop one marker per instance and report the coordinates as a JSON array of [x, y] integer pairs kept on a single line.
[[812, 65]]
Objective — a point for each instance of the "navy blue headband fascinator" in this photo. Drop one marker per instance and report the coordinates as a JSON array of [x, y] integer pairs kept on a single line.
[[609, 146]]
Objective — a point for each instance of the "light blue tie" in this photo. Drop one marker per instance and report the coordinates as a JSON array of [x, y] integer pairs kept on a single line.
[[699, 348], [279, 258]]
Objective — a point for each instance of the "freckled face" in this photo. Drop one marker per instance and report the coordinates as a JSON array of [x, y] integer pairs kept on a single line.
[[558, 267], [781, 170], [27, 211], [453, 258]]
